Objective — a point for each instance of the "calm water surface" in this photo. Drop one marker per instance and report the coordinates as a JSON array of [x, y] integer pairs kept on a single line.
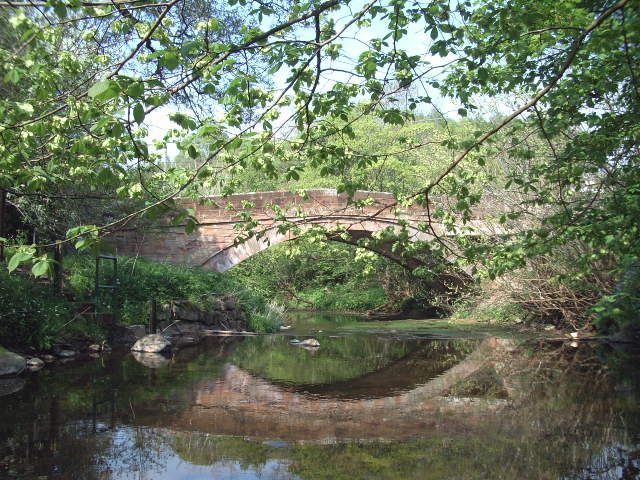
[[366, 405]]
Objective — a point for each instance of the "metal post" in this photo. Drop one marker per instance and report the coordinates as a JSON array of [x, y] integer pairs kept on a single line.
[[3, 203], [153, 321], [57, 267]]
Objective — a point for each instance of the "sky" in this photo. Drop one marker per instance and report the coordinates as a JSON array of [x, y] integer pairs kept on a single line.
[[357, 38]]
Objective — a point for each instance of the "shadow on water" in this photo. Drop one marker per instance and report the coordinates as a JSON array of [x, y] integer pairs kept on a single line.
[[361, 406]]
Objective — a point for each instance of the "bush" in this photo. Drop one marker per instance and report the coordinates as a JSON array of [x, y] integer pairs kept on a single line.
[[142, 280], [29, 313]]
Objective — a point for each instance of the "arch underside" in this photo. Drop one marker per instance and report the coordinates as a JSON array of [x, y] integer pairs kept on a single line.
[[234, 254]]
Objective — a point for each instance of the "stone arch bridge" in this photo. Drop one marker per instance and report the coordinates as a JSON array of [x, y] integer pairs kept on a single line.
[[214, 243]]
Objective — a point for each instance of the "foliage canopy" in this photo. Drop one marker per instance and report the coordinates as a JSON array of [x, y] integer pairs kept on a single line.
[[267, 84]]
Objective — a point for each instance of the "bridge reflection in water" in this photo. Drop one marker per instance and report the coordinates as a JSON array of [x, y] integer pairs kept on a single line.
[[360, 407], [239, 403]]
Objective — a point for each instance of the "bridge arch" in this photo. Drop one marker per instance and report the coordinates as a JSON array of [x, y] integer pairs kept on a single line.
[[214, 244]]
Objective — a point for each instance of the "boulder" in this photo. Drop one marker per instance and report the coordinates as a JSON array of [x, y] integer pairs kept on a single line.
[[127, 334], [11, 385], [230, 303], [154, 343], [34, 364], [48, 358], [186, 311], [151, 360], [310, 342], [138, 331], [66, 353], [11, 363]]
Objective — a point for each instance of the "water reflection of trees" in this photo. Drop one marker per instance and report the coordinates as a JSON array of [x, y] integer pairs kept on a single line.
[[573, 413], [572, 416], [61, 422], [339, 359]]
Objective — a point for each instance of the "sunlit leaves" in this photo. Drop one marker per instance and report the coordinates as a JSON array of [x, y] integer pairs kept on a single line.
[[105, 90], [138, 113], [23, 255]]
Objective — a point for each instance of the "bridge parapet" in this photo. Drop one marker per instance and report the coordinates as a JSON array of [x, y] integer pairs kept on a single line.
[[213, 245]]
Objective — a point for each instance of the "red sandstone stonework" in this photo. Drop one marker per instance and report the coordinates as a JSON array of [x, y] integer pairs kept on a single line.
[[214, 244]]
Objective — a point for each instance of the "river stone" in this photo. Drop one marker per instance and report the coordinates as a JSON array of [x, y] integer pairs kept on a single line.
[[310, 342], [151, 360], [154, 343], [66, 353], [11, 385], [34, 364], [48, 358], [11, 363]]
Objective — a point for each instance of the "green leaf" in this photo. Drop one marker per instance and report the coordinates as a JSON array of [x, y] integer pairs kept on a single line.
[[183, 120], [138, 113], [18, 258], [170, 60], [190, 226], [135, 90], [60, 10], [104, 90], [193, 153], [12, 76], [40, 268], [25, 107]]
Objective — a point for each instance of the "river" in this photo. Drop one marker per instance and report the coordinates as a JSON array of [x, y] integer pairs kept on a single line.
[[367, 404]]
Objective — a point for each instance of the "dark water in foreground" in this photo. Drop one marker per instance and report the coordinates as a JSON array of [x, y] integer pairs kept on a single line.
[[361, 406]]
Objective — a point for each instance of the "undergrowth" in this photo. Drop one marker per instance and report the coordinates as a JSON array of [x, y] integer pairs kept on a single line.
[[32, 316]]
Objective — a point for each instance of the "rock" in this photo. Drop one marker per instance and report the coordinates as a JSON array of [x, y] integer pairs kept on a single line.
[[154, 343], [190, 329], [310, 342], [137, 331], [548, 328], [573, 334], [151, 360], [11, 385], [66, 353], [34, 364], [185, 341], [285, 327], [186, 311], [94, 348], [48, 358], [128, 334], [11, 363], [295, 341], [230, 303]]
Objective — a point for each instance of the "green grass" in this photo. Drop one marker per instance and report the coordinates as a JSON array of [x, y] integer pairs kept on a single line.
[[448, 327], [31, 315], [142, 280], [342, 297]]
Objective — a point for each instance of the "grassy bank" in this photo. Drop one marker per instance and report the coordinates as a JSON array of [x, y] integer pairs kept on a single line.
[[33, 316]]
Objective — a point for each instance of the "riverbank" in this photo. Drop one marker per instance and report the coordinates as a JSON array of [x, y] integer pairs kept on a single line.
[[36, 318]]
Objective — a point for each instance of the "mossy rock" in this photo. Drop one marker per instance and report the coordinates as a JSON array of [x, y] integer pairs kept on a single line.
[[11, 363]]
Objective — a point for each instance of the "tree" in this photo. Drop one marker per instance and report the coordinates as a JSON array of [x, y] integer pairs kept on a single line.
[[96, 69]]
